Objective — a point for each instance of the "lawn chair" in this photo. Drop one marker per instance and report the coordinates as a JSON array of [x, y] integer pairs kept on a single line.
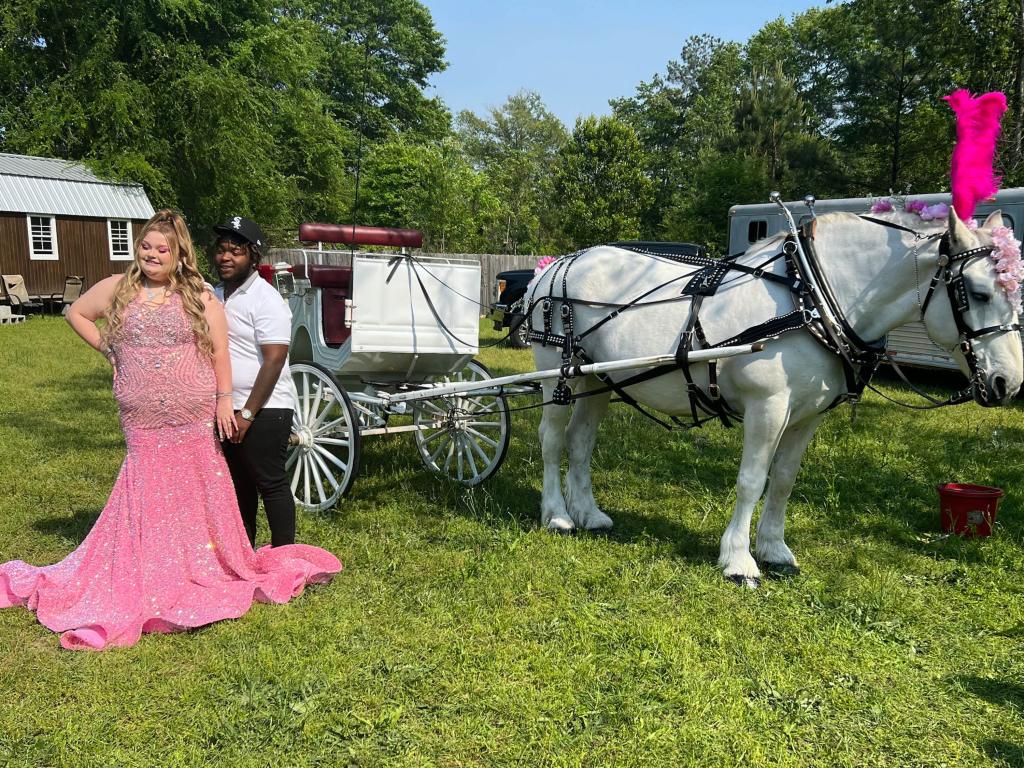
[[17, 296], [59, 302]]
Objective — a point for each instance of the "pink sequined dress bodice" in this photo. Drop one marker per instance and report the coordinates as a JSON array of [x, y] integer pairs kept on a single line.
[[169, 550], [161, 379]]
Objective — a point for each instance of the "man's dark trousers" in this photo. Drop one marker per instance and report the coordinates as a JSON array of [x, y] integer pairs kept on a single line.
[[257, 469]]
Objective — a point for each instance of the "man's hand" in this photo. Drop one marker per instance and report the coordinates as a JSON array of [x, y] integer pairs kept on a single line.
[[241, 429]]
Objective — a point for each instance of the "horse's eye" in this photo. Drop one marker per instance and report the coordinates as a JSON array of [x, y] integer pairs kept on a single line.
[[982, 297]]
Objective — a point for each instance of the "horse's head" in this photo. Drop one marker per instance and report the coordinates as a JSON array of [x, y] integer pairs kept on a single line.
[[978, 322]]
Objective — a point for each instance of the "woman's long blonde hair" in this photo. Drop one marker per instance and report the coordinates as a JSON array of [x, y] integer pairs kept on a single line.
[[185, 278]]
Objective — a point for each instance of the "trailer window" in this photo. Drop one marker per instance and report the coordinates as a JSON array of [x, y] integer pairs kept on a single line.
[[757, 230], [1007, 219]]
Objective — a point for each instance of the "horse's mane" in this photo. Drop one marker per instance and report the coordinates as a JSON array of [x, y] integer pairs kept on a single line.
[[908, 220]]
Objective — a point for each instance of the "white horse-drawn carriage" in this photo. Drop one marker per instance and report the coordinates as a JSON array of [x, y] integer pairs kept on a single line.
[[774, 337]]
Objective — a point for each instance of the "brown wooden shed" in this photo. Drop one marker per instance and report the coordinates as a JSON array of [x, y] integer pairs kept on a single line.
[[58, 219]]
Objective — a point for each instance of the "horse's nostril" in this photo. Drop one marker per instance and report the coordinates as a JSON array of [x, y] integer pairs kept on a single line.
[[998, 388]]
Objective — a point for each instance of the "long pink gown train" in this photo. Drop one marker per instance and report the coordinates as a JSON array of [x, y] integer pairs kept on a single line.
[[169, 550]]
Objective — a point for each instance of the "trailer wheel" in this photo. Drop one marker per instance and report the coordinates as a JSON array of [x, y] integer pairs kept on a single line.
[[323, 452], [519, 335], [464, 437]]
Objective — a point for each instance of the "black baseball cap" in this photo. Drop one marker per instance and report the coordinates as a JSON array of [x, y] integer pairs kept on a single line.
[[241, 227]]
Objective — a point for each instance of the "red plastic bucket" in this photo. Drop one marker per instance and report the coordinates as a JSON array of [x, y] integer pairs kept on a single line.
[[968, 510]]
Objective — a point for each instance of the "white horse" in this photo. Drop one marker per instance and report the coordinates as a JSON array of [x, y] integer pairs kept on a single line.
[[878, 274]]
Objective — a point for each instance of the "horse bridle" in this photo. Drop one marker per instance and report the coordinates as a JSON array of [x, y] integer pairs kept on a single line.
[[950, 272]]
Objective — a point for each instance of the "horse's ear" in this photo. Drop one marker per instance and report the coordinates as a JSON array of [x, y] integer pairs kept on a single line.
[[958, 231], [995, 219]]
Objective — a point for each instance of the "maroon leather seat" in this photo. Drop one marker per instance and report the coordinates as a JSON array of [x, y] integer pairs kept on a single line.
[[321, 276], [335, 284]]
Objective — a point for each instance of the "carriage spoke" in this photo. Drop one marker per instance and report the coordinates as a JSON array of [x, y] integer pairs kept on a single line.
[[330, 406], [315, 407], [480, 406], [329, 425], [480, 452], [451, 455], [296, 473], [332, 441], [293, 455], [484, 424], [427, 405], [468, 445], [304, 397], [326, 471], [432, 459], [305, 480], [331, 457], [434, 436], [316, 479], [483, 437]]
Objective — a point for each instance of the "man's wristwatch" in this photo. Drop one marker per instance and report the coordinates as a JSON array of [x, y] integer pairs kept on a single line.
[[246, 414]]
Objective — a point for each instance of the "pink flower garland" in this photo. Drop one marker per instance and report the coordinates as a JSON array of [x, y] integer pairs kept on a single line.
[[542, 264], [1006, 258], [1008, 266]]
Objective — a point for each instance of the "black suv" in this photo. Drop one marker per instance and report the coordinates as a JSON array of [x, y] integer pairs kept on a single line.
[[507, 309]]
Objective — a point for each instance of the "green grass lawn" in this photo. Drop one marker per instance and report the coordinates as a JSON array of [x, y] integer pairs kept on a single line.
[[462, 635]]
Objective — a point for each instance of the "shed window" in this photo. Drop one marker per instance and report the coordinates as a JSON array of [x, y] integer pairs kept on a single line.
[[119, 234], [757, 230], [42, 238]]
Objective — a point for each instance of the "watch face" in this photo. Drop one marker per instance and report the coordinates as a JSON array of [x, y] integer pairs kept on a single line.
[[246, 414]]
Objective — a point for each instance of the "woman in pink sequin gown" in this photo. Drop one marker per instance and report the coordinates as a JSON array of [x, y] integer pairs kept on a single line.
[[169, 550]]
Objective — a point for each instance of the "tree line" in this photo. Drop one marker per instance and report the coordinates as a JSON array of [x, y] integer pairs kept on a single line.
[[318, 110]]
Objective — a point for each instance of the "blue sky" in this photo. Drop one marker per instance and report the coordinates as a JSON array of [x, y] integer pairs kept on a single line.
[[577, 54]]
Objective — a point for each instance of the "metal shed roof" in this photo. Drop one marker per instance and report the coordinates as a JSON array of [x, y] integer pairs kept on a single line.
[[66, 188]]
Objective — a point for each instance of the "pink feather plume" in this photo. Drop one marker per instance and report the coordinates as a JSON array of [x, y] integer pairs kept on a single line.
[[977, 128]]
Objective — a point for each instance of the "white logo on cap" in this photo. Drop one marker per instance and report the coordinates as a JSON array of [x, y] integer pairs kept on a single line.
[[237, 222]]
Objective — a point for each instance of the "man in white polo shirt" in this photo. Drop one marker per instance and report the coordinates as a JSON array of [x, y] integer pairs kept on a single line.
[[259, 331]]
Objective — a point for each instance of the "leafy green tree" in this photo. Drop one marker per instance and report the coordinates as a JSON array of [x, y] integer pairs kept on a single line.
[[680, 116], [700, 214], [378, 59], [216, 106], [516, 146], [600, 188], [884, 67], [433, 188]]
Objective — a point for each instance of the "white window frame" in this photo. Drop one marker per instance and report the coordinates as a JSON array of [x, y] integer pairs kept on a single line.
[[32, 255], [110, 240]]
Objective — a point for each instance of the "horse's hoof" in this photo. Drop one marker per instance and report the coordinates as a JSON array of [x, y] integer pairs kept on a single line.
[[750, 582], [598, 523], [779, 570], [561, 525]]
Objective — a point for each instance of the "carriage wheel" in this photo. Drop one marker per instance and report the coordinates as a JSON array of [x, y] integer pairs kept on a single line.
[[323, 455], [464, 437]]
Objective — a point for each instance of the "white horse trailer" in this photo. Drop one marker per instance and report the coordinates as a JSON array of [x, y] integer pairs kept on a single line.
[[909, 344]]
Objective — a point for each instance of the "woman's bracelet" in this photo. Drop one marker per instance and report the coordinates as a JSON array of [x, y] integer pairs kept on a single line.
[[224, 394]]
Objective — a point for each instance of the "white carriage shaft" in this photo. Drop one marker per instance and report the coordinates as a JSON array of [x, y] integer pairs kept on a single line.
[[493, 386]]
